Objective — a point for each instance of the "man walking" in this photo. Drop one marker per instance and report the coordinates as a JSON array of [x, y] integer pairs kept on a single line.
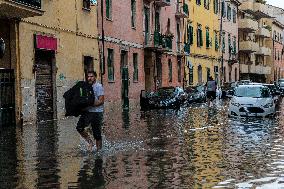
[[93, 114], [211, 87]]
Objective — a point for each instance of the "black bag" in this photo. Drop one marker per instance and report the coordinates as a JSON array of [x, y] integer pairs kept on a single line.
[[79, 97]]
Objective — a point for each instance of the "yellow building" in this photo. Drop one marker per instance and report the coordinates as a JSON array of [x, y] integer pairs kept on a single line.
[[52, 45], [202, 33]]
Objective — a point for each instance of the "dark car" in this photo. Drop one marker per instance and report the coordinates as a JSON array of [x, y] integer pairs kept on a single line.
[[274, 92], [228, 89], [196, 94], [163, 98]]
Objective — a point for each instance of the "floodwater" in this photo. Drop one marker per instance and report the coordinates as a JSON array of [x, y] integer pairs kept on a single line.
[[194, 147]]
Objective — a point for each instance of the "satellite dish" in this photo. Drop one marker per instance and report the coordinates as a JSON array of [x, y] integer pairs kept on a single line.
[[2, 47]]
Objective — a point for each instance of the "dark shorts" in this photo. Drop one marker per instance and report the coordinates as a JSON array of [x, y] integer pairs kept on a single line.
[[211, 94], [96, 121]]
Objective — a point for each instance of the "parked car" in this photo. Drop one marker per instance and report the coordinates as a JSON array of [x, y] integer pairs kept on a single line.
[[196, 94], [252, 101], [281, 88], [228, 89], [274, 92], [165, 97]]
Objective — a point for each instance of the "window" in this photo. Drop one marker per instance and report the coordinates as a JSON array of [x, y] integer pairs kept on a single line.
[[223, 9], [234, 16], [206, 4], [191, 75], [135, 67], [86, 4], [235, 45], [110, 65], [179, 69], [133, 13], [109, 9], [190, 34], [170, 70], [199, 36], [198, 2], [216, 41], [229, 44], [223, 42], [229, 12], [157, 21], [88, 65], [216, 10], [207, 38]]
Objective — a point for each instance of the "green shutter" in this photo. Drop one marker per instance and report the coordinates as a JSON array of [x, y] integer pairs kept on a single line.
[[191, 35], [107, 8], [201, 38]]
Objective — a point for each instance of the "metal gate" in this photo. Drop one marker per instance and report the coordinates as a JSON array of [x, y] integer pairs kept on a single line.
[[7, 97]]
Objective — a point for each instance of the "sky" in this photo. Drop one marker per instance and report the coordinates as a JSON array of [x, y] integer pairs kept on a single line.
[[277, 3]]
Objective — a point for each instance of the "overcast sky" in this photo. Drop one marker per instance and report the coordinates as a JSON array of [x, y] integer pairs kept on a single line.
[[277, 3]]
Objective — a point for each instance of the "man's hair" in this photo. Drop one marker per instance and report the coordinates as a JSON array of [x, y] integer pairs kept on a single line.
[[211, 78], [92, 72]]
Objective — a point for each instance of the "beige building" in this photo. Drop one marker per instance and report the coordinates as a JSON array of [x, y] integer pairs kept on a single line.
[[53, 43], [254, 38]]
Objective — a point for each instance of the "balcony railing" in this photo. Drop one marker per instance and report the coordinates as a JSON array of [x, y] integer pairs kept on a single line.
[[182, 11], [248, 46], [263, 32], [248, 25], [159, 42], [186, 48], [253, 69], [163, 3], [20, 8], [259, 10], [264, 51], [31, 3]]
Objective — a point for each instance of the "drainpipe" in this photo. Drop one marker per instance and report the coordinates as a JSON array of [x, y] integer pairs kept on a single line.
[[102, 67], [221, 44]]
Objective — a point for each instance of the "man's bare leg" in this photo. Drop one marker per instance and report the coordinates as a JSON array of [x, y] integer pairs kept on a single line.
[[87, 137]]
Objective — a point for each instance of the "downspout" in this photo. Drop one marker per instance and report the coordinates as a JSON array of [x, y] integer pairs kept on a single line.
[[102, 67]]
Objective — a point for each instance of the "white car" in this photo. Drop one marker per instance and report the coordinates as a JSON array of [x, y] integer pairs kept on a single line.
[[252, 101]]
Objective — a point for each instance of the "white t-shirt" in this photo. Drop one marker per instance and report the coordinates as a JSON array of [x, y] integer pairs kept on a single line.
[[99, 91]]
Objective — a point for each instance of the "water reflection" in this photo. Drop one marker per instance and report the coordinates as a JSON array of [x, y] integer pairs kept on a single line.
[[91, 173], [47, 164], [195, 147]]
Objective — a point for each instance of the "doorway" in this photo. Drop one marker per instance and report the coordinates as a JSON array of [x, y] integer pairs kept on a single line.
[[44, 84]]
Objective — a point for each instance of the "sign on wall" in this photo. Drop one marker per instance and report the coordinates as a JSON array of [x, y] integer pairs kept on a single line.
[[45, 42]]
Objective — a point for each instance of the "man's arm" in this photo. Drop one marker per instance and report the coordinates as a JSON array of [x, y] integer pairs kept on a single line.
[[100, 101]]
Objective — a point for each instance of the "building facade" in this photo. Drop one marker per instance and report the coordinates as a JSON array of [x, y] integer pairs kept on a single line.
[[164, 43], [11, 12], [122, 48], [203, 37], [55, 49], [229, 41], [254, 36]]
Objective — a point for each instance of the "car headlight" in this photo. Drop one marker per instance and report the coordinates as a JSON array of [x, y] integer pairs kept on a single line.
[[235, 104], [268, 105]]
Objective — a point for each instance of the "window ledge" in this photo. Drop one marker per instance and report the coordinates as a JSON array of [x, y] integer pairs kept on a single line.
[[135, 81], [109, 19], [134, 28], [111, 81]]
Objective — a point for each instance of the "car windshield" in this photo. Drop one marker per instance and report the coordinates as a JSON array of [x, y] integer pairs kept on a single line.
[[281, 84], [255, 92]]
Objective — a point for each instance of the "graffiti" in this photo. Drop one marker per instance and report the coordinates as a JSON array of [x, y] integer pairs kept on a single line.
[[62, 77]]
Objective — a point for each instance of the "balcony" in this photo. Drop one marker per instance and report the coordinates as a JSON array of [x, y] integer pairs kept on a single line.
[[264, 51], [182, 11], [163, 3], [20, 8], [253, 69], [158, 42], [263, 32], [259, 10], [248, 46], [248, 25]]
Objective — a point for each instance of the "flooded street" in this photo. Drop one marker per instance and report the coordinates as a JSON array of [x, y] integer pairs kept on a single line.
[[194, 147]]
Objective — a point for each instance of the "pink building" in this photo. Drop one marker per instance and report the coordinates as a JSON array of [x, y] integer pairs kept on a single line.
[[278, 51], [123, 48], [230, 41], [164, 50]]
